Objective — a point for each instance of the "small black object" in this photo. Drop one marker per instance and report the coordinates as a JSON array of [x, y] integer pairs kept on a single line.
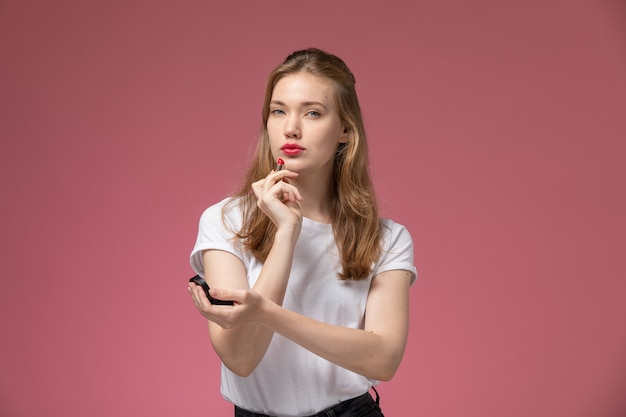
[[201, 282]]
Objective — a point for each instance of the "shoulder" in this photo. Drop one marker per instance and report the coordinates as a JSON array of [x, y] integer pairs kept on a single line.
[[218, 225], [227, 211], [397, 249], [393, 232]]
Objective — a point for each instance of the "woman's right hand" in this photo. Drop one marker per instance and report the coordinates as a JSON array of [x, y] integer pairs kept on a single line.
[[244, 309], [279, 199]]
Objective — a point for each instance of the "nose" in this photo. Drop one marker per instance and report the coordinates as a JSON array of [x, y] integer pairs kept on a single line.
[[292, 128]]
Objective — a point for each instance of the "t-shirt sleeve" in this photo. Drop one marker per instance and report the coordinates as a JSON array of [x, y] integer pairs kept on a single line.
[[215, 232], [397, 250]]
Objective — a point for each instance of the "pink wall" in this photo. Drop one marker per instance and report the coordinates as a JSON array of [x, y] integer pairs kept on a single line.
[[498, 137]]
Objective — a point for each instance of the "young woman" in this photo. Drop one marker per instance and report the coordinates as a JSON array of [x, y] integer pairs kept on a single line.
[[320, 283]]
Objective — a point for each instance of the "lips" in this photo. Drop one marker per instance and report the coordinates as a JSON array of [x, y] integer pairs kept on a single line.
[[291, 149], [291, 146]]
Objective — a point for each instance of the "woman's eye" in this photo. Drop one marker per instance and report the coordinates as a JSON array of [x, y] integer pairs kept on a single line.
[[277, 112], [314, 113]]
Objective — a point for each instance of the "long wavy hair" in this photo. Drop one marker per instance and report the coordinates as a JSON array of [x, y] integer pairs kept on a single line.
[[354, 211]]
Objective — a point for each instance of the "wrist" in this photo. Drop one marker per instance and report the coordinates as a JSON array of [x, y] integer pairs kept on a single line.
[[265, 312], [288, 233]]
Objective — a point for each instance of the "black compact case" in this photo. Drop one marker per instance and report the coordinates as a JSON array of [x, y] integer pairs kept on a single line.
[[201, 282]]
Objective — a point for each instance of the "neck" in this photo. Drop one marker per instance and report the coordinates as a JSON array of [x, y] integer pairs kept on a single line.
[[315, 193]]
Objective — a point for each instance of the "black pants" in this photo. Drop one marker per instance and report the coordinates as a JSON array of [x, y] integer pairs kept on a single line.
[[362, 406]]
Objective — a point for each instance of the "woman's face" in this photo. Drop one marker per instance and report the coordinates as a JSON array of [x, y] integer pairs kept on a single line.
[[304, 127]]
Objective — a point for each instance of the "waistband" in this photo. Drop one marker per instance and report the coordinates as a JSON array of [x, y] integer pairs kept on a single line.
[[356, 405]]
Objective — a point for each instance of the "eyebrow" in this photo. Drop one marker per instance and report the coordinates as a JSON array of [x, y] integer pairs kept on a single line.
[[303, 104]]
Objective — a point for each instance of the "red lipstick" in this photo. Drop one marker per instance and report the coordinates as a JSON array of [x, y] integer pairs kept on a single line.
[[291, 149], [281, 164]]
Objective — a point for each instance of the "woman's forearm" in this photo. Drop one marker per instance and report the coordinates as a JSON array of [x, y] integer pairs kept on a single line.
[[360, 351], [274, 276], [375, 352]]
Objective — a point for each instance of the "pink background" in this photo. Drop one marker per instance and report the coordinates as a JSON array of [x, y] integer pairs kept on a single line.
[[497, 133]]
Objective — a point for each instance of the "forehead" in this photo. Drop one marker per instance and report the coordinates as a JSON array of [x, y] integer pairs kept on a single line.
[[304, 87]]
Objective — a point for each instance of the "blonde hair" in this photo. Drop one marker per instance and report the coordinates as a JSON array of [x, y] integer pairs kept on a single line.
[[354, 212]]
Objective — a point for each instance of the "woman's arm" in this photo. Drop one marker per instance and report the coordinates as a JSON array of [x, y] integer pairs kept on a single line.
[[374, 352], [242, 347]]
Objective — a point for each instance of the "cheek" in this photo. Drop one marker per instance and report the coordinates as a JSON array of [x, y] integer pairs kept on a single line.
[[272, 130], [273, 139], [275, 127]]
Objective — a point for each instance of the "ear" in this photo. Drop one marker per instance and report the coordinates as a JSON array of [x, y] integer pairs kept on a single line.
[[343, 138]]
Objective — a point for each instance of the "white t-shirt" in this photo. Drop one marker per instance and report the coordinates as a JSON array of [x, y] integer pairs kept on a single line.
[[290, 380]]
